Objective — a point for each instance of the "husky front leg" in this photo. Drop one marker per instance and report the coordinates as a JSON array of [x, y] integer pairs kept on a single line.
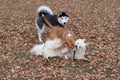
[[40, 37], [40, 26], [40, 31]]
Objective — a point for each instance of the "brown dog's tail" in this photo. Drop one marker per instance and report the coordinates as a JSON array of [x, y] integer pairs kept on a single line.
[[46, 21]]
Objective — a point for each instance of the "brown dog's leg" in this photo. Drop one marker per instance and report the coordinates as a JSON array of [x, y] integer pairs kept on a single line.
[[64, 44]]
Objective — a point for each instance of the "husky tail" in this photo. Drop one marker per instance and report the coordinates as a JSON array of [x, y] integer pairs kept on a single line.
[[44, 10]]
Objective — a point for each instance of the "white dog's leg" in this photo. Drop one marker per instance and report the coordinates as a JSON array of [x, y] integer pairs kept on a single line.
[[65, 50], [46, 59], [66, 57], [84, 58]]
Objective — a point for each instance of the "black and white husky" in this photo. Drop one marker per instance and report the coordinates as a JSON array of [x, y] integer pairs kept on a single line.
[[60, 19]]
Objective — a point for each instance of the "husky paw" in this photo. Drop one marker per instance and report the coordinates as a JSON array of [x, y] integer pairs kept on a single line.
[[41, 41]]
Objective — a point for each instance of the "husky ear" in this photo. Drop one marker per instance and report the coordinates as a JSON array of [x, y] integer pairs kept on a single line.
[[59, 14], [62, 13]]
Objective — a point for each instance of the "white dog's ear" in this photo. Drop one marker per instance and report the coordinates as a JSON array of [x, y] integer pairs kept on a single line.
[[86, 44], [83, 40]]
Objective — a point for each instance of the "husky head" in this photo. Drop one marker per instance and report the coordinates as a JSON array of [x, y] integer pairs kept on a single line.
[[80, 44], [63, 18]]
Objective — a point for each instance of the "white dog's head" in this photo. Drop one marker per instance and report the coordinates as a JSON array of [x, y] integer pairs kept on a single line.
[[79, 50], [80, 44]]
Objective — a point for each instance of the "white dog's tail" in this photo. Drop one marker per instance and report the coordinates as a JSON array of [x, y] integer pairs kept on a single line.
[[44, 10], [37, 50]]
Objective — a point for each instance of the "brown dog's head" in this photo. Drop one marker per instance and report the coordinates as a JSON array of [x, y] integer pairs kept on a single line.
[[70, 39]]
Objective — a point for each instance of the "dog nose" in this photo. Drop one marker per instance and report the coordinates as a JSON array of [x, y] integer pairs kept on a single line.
[[64, 22]]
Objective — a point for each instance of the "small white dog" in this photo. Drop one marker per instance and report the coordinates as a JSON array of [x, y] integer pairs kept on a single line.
[[50, 48], [79, 51]]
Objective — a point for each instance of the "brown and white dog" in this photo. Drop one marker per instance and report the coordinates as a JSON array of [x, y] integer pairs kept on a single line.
[[67, 36]]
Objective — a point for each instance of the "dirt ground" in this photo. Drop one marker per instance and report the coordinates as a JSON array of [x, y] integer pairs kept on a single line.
[[98, 21]]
